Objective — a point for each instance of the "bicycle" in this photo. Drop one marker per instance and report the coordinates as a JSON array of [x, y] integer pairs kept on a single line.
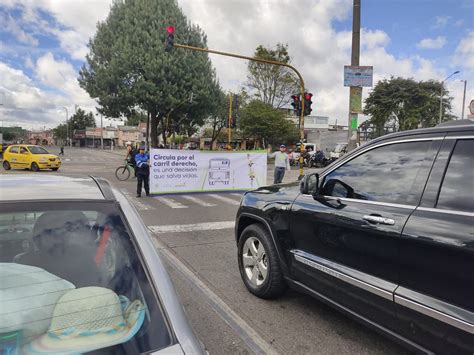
[[122, 173]]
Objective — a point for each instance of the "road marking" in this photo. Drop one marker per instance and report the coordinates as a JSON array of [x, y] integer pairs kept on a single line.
[[238, 195], [136, 202], [180, 228], [198, 201], [171, 203], [249, 336], [226, 199]]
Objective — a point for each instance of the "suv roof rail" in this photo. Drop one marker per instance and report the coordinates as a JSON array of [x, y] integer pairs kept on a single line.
[[456, 123]]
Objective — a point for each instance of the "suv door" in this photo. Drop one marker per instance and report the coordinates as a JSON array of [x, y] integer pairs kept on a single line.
[[436, 294], [346, 239]]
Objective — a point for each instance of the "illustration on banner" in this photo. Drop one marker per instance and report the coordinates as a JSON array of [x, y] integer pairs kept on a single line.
[[219, 171]]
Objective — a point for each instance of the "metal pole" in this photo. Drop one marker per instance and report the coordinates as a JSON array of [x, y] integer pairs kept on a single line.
[[266, 62], [67, 125], [229, 124], [355, 56], [101, 133], [441, 103], [463, 99]]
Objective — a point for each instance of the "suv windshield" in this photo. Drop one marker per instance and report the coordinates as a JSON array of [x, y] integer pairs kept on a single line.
[[37, 150], [72, 282]]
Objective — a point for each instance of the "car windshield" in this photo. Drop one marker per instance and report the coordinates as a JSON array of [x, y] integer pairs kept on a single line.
[[72, 282], [37, 150]]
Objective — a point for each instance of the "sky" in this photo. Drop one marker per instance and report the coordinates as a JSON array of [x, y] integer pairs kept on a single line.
[[43, 44]]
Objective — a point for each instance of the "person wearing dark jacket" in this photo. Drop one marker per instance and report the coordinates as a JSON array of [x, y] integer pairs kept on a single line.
[[142, 162]]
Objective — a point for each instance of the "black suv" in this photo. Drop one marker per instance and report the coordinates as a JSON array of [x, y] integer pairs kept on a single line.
[[385, 234]]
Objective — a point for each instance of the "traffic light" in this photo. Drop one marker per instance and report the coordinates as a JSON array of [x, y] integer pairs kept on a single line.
[[296, 105], [307, 103], [169, 43]]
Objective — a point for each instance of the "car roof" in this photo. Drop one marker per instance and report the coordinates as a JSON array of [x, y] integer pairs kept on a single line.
[[41, 187], [440, 129]]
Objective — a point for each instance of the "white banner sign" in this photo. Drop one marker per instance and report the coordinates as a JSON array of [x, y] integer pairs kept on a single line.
[[179, 171], [358, 76]]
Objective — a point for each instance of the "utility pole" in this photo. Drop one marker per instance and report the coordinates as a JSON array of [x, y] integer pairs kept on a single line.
[[229, 124], [355, 55], [463, 99], [67, 125], [101, 133]]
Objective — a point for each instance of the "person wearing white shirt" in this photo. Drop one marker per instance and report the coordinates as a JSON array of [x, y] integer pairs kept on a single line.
[[282, 163]]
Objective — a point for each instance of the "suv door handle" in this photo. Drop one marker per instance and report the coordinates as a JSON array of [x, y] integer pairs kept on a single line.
[[379, 220]]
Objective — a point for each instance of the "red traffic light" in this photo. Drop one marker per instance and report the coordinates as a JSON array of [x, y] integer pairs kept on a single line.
[[308, 96], [170, 29], [295, 98]]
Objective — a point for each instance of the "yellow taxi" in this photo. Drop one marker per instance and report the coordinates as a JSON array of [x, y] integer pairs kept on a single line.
[[26, 156]]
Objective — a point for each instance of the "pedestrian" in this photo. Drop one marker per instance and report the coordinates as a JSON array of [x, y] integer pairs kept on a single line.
[[282, 163], [61, 149], [142, 161]]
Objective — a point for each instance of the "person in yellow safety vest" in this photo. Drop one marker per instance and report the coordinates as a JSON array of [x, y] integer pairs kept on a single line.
[[282, 163]]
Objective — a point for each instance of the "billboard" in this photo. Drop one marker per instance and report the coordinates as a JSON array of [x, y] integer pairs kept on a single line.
[[358, 76], [184, 171]]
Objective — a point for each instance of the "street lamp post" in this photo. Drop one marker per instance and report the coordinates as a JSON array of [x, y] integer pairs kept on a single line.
[[67, 126], [441, 96], [101, 133], [463, 99]]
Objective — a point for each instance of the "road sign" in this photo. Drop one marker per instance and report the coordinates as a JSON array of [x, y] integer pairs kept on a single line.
[[471, 107], [358, 76], [355, 100]]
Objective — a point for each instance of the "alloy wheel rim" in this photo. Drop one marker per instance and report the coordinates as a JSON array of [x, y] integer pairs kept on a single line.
[[254, 261]]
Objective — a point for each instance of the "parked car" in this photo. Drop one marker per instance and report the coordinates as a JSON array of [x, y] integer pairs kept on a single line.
[[33, 157], [385, 235], [339, 150], [80, 273]]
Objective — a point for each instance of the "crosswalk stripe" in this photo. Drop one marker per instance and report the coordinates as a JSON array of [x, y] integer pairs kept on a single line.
[[141, 206], [180, 228], [225, 199], [198, 201], [171, 203]]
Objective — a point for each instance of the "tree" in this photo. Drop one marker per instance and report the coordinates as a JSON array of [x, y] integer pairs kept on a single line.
[[267, 124], [220, 119], [81, 120], [406, 104], [135, 118], [128, 69], [273, 84], [60, 132]]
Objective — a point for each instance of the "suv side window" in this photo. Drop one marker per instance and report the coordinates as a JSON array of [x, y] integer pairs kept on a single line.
[[384, 174], [458, 185]]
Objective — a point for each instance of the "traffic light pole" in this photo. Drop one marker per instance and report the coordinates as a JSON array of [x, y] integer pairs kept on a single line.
[[272, 62]]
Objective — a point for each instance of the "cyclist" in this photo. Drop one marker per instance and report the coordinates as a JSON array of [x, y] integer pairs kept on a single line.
[[130, 157]]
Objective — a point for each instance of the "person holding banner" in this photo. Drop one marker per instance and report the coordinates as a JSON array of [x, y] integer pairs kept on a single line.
[[142, 162], [282, 163]]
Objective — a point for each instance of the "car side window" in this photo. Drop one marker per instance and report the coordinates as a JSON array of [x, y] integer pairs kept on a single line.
[[383, 174], [23, 150], [14, 150], [457, 190]]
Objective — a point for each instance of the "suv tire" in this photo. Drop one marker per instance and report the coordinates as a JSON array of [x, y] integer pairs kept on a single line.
[[262, 274]]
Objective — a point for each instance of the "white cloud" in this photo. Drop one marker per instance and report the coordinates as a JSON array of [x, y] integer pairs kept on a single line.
[[10, 25], [441, 21], [464, 54], [432, 43]]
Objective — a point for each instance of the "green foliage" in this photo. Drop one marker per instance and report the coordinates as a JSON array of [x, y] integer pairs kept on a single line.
[[264, 122], [11, 134], [60, 132], [136, 118], [81, 120], [273, 84], [128, 69], [406, 104]]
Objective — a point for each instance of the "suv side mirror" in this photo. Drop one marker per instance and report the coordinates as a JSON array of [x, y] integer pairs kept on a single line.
[[309, 185]]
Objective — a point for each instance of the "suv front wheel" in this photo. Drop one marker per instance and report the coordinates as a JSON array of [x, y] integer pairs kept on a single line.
[[259, 264]]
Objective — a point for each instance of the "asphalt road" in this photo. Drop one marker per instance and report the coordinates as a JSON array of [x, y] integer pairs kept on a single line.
[[195, 237]]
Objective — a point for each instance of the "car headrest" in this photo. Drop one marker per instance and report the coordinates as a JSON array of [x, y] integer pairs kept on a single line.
[[53, 228]]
